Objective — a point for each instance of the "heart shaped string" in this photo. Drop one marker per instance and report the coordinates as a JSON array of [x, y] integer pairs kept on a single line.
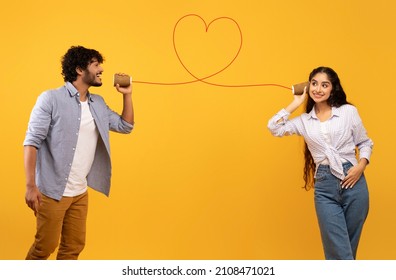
[[204, 79]]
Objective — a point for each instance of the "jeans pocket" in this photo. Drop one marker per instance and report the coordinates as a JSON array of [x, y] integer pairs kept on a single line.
[[320, 176], [346, 167]]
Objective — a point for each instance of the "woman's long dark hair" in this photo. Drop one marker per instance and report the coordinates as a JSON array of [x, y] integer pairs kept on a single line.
[[336, 99]]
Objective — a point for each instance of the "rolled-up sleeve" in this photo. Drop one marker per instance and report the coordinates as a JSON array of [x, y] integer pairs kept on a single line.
[[360, 138], [39, 123], [280, 125], [117, 123]]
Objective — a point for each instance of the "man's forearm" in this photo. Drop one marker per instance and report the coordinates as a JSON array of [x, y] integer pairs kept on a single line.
[[30, 155], [127, 111]]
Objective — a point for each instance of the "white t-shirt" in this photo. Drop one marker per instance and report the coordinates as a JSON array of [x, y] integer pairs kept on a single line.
[[326, 136], [84, 154]]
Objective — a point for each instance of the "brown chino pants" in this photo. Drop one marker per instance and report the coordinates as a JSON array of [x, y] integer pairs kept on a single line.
[[64, 220]]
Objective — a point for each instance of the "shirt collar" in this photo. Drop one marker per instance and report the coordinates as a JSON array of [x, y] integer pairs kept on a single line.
[[335, 111], [312, 114], [73, 91]]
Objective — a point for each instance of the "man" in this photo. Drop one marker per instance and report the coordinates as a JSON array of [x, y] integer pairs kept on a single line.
[[67, 149]]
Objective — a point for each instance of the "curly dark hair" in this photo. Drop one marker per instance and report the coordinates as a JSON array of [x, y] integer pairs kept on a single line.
[[337, 98], [78, 56]]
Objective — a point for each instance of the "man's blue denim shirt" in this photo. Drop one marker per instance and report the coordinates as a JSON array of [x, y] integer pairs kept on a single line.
[[53, 129]]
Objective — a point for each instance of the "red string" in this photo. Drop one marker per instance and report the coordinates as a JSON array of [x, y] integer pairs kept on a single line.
[[204, 79]]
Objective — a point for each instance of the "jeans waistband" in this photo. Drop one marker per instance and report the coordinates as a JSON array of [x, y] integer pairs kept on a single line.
[[326, 167]]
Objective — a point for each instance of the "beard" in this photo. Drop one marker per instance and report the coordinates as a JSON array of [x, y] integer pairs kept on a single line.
[[91, 79]]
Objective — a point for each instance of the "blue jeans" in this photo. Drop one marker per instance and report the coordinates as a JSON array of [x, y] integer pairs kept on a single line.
[[341, 213]]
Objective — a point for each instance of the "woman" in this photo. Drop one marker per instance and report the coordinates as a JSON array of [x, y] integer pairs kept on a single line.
[[332, 130]]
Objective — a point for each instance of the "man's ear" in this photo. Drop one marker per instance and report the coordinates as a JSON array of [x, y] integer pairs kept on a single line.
[[79, 70]]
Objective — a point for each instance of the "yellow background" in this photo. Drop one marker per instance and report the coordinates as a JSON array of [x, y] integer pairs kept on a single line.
[[201, 177]]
